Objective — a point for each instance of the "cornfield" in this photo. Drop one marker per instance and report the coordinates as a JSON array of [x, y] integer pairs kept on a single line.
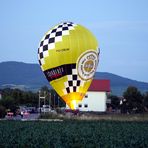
[[73, 134]]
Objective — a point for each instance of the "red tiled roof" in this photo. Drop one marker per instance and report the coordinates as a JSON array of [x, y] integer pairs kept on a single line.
[[100, 85]]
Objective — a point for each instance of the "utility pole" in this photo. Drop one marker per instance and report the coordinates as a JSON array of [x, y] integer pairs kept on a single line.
[[58, 101], [44, 97], [49, 98], [54, 101], [39, 102], [41, 97]]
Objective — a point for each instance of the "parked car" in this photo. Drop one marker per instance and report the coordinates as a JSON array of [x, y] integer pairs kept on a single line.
[[9, 115]]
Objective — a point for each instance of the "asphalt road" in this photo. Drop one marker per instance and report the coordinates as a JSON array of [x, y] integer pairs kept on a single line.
[[33, 116]]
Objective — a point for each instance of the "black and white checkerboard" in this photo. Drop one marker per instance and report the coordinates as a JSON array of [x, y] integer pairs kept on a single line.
[[53, 36], [73, 84]]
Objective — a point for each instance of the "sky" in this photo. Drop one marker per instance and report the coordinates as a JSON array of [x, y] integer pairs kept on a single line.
[[120, 26]]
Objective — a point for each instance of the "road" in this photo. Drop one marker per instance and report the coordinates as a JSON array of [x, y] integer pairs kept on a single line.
[[32, 116]]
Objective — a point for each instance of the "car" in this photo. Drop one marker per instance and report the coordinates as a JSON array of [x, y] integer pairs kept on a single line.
[[9, 116]]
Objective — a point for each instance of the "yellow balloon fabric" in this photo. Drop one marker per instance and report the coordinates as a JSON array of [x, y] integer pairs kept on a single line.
[[68, 56]]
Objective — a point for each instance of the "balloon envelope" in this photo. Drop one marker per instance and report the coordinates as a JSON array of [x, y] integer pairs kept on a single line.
[[68, 56]]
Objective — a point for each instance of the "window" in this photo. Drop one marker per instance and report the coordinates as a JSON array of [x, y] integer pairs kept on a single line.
[[80, 105], [85, 105], [86, 96]]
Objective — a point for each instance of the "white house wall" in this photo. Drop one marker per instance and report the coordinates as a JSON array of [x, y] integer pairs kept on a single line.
[[95, 101]]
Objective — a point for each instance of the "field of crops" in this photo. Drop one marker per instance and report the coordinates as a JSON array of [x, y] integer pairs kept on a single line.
[[76, 134]]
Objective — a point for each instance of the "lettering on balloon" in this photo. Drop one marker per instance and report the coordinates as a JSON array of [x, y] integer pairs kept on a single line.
[[55, 72], [58, 72], [61, 50]]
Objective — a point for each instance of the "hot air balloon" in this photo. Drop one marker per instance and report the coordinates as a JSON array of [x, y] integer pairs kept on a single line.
[[68, 56]]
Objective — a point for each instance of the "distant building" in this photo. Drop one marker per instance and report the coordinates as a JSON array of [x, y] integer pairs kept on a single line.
[[96, 97]]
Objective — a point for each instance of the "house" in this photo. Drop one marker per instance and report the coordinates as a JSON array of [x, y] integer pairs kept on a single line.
[[96, 97]]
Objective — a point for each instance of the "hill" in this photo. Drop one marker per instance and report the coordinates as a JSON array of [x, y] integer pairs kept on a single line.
[[19, 74], [30, 77], [119, 84]]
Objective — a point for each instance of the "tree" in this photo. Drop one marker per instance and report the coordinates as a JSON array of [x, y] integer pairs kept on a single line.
[[2, 111], [134, 100], [115, 102], [56, 100], [9, 103], [44, 89], [17, 95], [145, 102], [52, 97]]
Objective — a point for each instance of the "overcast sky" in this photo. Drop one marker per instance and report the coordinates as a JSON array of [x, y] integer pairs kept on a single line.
[[121, 27]]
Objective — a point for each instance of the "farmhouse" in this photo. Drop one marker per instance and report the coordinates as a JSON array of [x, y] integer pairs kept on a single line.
[[96, 97]]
